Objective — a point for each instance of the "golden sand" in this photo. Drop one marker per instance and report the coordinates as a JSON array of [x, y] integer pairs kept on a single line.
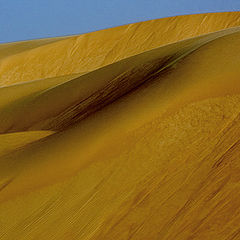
[[136, 139]]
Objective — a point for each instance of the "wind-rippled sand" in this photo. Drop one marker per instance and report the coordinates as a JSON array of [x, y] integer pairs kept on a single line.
[[126, 133]]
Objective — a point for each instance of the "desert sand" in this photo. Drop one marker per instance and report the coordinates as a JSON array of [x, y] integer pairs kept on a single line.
[[124, 133]]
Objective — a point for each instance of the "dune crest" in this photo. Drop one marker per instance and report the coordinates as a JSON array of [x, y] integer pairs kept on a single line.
[[40, 59]]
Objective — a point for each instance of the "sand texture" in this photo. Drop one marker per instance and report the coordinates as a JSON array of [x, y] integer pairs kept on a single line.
[[126, 133]]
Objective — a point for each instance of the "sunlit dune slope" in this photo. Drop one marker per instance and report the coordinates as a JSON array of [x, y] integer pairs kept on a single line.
[[144, 145], [50, 58]]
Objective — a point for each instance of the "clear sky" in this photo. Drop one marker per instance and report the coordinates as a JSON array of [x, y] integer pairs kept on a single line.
[[30, 19]]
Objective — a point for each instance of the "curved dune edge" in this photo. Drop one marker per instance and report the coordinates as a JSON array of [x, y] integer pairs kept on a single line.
[[42, 100], [14, 141], [155, 157], [90, 51]]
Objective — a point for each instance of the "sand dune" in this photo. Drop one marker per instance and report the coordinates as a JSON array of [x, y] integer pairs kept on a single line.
[[84, 53], [137, 139]]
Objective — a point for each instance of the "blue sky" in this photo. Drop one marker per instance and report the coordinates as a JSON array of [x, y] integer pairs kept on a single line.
[[31, 19]]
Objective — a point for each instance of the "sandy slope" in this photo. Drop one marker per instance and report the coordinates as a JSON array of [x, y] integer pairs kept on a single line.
[[13, 141], [47, 110], [145, 148]]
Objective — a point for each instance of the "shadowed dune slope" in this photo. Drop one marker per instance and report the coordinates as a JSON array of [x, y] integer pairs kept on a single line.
[[143, 145], [14, 141]]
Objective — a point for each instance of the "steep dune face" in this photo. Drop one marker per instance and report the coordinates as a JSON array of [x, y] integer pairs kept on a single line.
[[144, 147]]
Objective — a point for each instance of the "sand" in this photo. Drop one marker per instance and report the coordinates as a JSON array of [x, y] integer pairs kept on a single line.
[[136, 139]]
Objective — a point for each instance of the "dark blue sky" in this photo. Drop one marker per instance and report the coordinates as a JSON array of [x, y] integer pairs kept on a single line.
[[30, 19]]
